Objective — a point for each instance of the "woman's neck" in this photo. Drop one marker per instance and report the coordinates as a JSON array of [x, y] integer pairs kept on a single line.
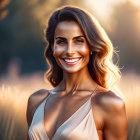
[[78, 80]]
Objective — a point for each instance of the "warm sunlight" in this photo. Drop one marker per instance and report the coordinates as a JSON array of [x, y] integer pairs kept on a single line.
[[137, 2], [104, 8], [23, 65]]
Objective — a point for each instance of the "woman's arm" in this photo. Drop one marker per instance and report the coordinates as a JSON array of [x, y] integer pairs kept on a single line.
[[33, 102], [115, 120], [29, 115]]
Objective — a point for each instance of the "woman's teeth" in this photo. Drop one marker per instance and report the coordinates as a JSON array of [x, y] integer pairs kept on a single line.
[[71, 60]]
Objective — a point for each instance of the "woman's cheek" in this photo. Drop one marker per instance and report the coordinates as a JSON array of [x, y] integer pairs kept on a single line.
[[84, 50], [58, 51]]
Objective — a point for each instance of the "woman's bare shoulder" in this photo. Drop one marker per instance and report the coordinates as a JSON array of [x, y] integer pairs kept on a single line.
[[109, 101], [113, 114], [34, 101], [111, 105], [37, 96]]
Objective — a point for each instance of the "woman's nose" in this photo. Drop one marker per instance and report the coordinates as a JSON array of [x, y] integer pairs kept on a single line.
[[70, 49]]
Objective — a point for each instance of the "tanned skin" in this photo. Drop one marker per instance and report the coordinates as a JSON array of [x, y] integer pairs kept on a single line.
[[108, 109]]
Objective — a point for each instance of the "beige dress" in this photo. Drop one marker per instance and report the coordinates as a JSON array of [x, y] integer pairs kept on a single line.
[[80, 126]]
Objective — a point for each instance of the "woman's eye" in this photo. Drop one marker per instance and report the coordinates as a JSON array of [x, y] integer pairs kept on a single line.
[[79, 40], [60, 42]]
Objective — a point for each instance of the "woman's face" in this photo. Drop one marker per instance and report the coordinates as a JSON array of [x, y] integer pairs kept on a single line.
[[70, 47]]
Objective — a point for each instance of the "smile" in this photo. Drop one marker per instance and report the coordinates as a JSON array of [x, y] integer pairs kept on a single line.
[[71, 60]]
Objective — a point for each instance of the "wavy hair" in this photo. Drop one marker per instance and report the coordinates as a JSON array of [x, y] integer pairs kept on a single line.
[[101, 66]]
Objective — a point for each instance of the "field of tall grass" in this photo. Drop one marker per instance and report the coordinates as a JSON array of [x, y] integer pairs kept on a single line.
[[15, 90]]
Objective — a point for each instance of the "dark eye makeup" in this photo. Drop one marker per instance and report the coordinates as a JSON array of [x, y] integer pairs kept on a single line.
[[60, 41], [80, 40]]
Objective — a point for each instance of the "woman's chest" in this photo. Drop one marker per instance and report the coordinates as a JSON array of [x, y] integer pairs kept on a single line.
[[60, 112]]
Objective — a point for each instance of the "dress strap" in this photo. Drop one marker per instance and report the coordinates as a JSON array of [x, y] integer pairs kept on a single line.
[[46, 98], [93, 91]]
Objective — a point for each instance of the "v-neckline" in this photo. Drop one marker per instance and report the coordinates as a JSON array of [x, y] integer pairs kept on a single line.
[[69, 118]]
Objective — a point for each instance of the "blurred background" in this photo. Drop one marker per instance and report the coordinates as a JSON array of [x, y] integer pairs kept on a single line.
[[22, 62]]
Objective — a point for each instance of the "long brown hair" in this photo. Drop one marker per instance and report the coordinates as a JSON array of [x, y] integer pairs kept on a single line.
[[101, 66]]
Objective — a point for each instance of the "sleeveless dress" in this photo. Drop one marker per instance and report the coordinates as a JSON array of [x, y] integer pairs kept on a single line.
[[79, 126]]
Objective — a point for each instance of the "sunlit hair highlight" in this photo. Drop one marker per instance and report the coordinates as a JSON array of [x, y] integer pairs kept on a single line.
[[101, 66]]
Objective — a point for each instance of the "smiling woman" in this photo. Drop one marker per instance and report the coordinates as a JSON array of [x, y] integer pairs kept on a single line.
[[70, 48], [81, 104]]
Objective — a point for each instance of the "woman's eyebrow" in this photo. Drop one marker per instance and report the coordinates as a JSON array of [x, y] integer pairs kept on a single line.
[[63, 38], [76, 37], [59, 37]]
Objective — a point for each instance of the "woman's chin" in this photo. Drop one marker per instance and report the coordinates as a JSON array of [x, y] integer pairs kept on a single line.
[[71, 70]]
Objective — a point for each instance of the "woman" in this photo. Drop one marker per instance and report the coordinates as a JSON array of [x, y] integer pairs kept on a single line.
[[81, 106]]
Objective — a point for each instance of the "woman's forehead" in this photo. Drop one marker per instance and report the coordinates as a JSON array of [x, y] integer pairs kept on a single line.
[[68, 28]]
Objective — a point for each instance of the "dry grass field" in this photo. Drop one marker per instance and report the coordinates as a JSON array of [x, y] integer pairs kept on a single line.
[[130, 87], [15, 90]]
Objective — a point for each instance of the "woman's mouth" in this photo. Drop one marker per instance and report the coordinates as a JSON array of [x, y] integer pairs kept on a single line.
[[71, 61]]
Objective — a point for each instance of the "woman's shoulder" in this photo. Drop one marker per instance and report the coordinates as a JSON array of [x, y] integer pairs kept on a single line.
[[110, 98], [38, 96], [110, 103], [34, 100], [113, 113]]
